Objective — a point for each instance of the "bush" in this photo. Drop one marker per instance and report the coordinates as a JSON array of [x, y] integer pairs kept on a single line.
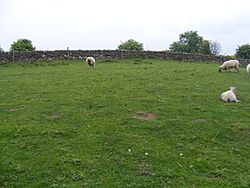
[[131, 44], [243, 51], [191, 42], [22, 45]]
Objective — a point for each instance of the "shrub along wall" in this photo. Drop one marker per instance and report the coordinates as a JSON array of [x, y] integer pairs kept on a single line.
[[109, 54]]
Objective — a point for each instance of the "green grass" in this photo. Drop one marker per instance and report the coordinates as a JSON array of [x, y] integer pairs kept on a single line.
[[65, 125]]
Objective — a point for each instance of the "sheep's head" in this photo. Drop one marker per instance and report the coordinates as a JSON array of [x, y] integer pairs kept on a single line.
[[220, 68], [233, 89]]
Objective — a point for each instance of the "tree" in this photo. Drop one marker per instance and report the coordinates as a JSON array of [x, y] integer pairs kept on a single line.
[[191, 42], [205, 47], [215, 47], [243, 51], [22, 45], [131, 44]]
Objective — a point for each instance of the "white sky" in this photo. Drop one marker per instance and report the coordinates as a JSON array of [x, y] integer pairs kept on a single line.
[[103, 24]]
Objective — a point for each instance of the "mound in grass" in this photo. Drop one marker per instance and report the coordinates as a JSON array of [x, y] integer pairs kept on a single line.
[[146, 116]]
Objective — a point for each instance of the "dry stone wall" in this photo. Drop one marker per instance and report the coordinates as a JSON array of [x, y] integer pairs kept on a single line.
[[6, 57]]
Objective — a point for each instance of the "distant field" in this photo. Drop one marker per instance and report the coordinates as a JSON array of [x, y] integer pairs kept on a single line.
[[129, 123]]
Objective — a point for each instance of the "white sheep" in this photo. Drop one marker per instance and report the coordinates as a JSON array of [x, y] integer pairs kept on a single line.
[[248, 68], [229, 96], [227, 65], [90, 61]]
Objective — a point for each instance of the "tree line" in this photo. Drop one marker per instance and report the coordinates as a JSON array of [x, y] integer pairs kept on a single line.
[[189, 42]]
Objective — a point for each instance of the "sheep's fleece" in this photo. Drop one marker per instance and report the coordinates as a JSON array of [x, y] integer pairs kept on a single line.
[[90, 61], [229, 96], [227, 65]]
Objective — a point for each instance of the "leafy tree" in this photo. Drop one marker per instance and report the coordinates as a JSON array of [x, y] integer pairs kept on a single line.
[[179, 47], [131, 44], [215, 47], [191, 42], [204, 47], [243, 51], [22, 45], [1, 49]]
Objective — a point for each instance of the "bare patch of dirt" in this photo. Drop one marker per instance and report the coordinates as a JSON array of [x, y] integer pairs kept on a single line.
[[201, 120], [144, 170], [239, 132], [12, 110], [145, 116], [53, 117], [244, 131]]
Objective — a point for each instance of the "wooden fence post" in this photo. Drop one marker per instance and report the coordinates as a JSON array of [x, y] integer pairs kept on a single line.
[[68, 52], [13, 56], [122, 54]]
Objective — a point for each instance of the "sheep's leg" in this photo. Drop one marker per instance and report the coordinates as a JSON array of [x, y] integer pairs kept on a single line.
[[234, 100], [237, 68], [89, 62]]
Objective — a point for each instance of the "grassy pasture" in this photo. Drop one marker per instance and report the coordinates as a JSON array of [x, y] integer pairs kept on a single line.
[[65, 125]]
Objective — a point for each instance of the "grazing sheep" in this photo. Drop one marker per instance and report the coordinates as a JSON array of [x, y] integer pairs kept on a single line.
[[248, 68], [90, 61], [229, 96], [227, 65]]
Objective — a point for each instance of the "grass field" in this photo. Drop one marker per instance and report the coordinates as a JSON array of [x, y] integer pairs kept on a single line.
[[65, 125]]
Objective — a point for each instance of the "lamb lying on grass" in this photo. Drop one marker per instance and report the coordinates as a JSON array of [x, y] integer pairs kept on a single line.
[[229, 96], [90, 61], [248, 68], [227, 65]]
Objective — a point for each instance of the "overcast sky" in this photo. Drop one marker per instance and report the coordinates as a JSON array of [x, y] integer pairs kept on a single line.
[[103, 24]]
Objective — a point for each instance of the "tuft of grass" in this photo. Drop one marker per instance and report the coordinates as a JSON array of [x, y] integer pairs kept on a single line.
[[66, 125]]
